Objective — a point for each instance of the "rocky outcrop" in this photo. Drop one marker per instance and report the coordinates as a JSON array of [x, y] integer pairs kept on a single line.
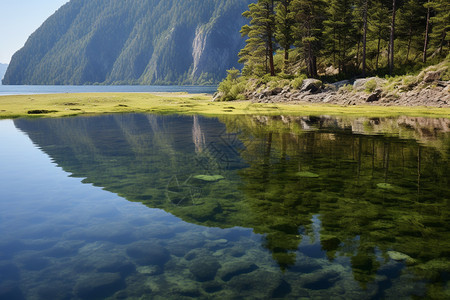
[[368, 91]]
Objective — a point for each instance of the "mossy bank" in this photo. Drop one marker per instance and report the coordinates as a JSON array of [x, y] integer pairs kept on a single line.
[[61, 105]]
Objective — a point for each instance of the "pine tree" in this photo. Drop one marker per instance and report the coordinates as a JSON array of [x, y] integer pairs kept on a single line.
[[257, 54], [410, 25], [309, 16], [339, 34], [284, 21], [440, 26], [378, 27]]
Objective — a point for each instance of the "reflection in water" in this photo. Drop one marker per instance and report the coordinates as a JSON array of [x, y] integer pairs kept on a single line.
[[326, 194]]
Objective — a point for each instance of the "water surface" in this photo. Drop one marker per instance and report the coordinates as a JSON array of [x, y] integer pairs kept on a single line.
[[61, 89], [154, 207]]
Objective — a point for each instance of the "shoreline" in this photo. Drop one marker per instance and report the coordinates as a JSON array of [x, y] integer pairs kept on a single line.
[[64, 105]]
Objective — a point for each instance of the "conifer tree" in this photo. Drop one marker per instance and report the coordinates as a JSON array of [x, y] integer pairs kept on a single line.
[[257, 54], [378, 27], [440, 26], [410, 25], [309, 16], [284, 21]]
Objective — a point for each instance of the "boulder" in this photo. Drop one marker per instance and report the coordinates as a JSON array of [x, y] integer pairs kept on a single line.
[[311, 85], [235, 269], [432, 76], [204, 269], [375, 96]]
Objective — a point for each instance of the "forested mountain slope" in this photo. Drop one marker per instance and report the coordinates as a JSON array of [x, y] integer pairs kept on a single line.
[[133, 42], [3, 68]]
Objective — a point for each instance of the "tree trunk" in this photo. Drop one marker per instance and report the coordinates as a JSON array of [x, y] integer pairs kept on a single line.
[[391, 40], [364, 39], [378, 50], [427, 28], [270, 44], [286, 59], [409, 44]]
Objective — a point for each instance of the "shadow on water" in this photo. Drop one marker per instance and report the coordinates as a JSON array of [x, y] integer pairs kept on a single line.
[[372, 194]]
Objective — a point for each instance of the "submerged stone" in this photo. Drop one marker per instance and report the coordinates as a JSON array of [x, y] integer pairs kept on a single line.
[[209, 178], [307, 174], [146, 253], [234, 269], [204, 269], [98, 285], [385, 186], [401, 257]]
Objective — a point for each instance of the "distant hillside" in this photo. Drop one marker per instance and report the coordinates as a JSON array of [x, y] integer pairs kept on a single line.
[[3, 68], [133, 42]]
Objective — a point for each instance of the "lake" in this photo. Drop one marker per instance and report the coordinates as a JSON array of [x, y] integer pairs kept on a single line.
[[61, 89], [141, 206]]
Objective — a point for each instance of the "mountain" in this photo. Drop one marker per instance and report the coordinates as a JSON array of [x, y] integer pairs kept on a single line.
[[133, 42], [3, 68]]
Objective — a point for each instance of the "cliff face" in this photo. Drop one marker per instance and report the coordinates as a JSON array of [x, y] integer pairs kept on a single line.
[[3, 68], [133, 42]]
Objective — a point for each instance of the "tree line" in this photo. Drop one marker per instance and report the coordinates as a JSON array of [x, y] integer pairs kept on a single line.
[[344, 37]]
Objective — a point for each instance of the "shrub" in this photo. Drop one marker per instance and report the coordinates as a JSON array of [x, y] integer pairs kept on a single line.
[[297, 82], [233, 86], [370, 86]]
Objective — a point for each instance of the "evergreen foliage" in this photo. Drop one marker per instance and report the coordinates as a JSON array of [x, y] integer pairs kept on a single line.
[[345, 38], [133, 42]]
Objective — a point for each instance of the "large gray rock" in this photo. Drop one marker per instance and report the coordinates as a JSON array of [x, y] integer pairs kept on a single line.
[[311, 84]]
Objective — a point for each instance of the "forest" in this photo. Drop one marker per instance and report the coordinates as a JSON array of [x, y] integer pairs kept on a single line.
[[132, 42], [339, 39]]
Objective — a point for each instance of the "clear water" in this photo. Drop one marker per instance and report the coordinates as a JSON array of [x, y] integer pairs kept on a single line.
[[61, 89], [116, 207]]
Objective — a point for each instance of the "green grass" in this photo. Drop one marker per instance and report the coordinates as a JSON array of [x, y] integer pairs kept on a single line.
[[61, 105]]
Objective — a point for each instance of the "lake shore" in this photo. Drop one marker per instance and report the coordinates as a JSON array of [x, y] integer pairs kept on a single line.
[[63, 105]]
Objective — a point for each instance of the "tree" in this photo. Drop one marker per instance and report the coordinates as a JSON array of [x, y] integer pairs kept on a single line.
[[338, 32], [378, 26], [441, 25], [284, 21], [309, 17], [410, 25], [392, 39], [257, 54]]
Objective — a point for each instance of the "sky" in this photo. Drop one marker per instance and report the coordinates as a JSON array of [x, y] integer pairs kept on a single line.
[[19, 19]]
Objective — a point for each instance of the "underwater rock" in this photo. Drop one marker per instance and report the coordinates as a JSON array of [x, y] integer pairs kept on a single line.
[[204, 269], [182, 244], [230, 270], [209, 178], [306, 174], [55, 290], [64, 249], [145, 253], [9, 271], [10, 290], [35, 263], [99, 285], [259, 284], [212, 287], [322, 279], [401, 257]]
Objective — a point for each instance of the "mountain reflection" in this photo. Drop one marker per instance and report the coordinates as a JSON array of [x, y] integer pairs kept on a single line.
[[375, 185]]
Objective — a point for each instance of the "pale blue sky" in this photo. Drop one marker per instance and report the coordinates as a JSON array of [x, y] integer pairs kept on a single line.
[[19, 19]]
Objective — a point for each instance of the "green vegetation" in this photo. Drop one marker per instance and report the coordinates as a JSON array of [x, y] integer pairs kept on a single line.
[[59, 105], [132, 42], [342, 39]]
